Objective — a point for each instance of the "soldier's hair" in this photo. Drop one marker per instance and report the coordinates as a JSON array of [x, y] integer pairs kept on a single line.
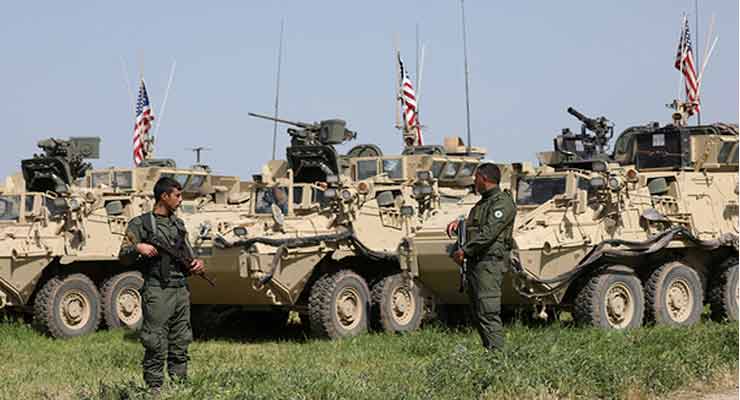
[[490, 171], [164, 185]]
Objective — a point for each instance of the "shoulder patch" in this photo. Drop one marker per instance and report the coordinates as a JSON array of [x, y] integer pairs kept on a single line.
[[498, 214]]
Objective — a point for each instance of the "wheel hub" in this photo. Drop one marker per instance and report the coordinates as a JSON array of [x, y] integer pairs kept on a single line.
[[74, 309], [349, 308], [679, 300], [128, 306], [403, 305], [619, 305]]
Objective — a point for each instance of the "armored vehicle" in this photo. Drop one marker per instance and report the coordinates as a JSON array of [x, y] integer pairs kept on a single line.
[[648, 233], [323, 232], [61, 227]]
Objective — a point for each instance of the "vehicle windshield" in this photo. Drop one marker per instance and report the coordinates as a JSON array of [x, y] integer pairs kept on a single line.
[[537, 190], [10, 208]]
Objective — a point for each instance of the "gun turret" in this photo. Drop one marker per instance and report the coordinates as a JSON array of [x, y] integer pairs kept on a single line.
[[61, 162], [327, 132], [601, 127]]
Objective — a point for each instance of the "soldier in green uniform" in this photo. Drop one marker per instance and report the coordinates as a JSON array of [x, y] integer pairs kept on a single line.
[[166, 331], [488, 229]]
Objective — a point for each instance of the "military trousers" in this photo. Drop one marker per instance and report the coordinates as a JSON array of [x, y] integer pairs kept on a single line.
[[165, 333], [484, 291]]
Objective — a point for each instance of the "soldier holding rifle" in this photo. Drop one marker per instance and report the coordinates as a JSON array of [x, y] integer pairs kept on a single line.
[[157, 242], [485, 253]]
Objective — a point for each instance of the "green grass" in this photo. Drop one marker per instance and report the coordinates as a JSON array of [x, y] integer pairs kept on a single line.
[[434, 363]]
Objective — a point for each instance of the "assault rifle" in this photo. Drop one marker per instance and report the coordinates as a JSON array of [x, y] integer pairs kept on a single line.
[[461, 239], [178, 256]]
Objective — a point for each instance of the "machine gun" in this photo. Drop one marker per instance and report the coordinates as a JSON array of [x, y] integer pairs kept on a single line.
[[61, 162], [327, 132], [602, 130]]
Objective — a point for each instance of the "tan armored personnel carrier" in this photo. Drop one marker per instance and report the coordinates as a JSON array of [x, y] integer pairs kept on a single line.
[[329, 251], [61, 226], [649, 232]]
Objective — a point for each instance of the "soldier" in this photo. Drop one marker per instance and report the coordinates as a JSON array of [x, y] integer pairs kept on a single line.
[[489, 226], [166, 331]]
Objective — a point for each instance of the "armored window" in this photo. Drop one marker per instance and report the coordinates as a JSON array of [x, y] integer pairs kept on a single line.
[[10, 208], [450, 170], [317, 196], [437, 168], [726, 153], [393, 168], [266, 197], [196, 181], [187, 208], [659, 150], [29, 204], [123, 179], [366, 169], [535, 191], [182, 179], [52, 208], [100, 178], [297, 195], [467, 170]]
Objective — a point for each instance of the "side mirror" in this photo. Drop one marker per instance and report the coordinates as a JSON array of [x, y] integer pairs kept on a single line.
[[277, 215], [60, 203]]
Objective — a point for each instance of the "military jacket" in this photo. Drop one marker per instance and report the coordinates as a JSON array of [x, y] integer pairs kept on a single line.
[[490, 225], [160, 270]]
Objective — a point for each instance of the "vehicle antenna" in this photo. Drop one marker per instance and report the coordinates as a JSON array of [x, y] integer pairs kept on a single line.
[[164, 104], [467, 79], [124, 69], [197, 151], [277, 87]]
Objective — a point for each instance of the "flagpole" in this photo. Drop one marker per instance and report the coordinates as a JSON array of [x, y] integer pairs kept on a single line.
[[698, 61], [397, 87], [467, 79], [277, 88]]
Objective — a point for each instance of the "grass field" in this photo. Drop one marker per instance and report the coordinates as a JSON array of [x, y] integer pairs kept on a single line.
[[557, 361]]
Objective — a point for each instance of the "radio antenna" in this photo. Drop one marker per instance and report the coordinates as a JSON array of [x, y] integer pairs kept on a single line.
[[277, 87], [467, 79]]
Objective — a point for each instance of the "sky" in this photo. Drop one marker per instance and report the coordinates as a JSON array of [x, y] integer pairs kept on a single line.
[[66, 65]]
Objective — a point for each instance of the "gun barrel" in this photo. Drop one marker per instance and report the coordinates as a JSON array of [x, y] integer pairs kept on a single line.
[[282, 121], [572, 111]]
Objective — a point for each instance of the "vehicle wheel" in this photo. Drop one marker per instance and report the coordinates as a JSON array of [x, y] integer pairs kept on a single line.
[[122, 300], [674, 295], [67, 306], [612, 299], [338, 305], [397, 305], [723, 292]]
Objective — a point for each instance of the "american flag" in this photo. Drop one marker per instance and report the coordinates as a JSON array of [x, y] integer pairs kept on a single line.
[[408, 104], [144, 119], [685, 63]]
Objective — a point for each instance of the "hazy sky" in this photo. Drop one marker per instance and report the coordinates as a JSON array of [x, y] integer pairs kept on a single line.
[[529, 60]]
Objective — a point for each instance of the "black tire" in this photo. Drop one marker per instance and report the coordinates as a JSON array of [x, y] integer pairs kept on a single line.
[[625, 311], [397, 306], [338, 305], [122, 303], [723, 292], [674, 295], [67, 306]]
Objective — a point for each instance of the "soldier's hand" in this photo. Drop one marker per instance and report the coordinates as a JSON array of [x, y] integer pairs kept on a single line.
[[146, 249], [452, 228], [458, 256], [197, 267]]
